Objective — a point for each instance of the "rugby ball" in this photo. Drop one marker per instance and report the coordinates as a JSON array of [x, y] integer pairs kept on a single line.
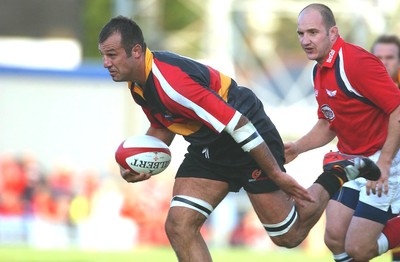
[[143, 154]]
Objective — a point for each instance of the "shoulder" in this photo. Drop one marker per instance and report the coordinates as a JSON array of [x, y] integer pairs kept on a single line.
[[359, 62], [354, 55]]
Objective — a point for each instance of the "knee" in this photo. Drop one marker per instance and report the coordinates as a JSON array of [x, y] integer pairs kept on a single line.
[[332, 241], [180, 227], [287, 243], [175, 229], [358, 253], [288, 240]]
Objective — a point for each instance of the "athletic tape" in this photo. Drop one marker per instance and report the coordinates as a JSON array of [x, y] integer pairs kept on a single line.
[[199, 205], [283, 227], [247, 137], [343, 257], [232, 124], [383, 244]]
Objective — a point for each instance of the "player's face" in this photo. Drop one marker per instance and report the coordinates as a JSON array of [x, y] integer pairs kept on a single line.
[[313, 35], [389, 55], [120, 66]]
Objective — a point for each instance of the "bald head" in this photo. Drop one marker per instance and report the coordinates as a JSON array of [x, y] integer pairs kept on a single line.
[[327, 16]]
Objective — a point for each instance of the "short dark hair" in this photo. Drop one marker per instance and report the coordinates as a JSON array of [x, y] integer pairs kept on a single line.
[[326, 13], [131, 34], [387, 39]]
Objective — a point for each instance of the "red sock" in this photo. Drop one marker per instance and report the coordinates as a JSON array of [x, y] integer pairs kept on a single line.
[[391, 231]]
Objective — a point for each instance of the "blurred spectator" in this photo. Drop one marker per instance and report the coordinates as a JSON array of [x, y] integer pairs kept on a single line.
[[149, 215], [12, 185]]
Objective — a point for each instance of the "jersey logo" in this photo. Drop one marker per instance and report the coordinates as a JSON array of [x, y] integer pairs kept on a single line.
[[256, 174], [206, 152], [330, 57], [328, 112], [168, 115], [331, 93]]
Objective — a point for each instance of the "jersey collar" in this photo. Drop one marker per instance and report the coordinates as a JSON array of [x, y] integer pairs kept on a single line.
[[148, 65], [149, 61], [331, 57]]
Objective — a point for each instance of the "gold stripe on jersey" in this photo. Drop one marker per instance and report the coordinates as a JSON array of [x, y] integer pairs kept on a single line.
[[225, 84], [185, 129], [138, 91], [149, 60]]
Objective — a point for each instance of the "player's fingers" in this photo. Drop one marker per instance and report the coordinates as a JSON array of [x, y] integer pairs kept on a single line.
[[368, 187], [132, 178], [287, 145], [299, 202], [373, 187], [386, 187], [125, 173], [304, 195], [379, 189]]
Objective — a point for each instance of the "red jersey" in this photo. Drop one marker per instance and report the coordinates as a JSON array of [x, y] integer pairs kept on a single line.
[[356, 95]]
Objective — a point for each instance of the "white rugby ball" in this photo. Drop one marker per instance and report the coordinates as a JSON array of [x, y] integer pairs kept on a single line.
[[143, 154]]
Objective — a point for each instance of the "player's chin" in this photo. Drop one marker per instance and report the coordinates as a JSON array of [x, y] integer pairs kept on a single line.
[[117, 79], [311, 56]]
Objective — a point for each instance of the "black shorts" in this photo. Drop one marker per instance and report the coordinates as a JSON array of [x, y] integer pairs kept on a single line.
[[250, 178], [224, 160]]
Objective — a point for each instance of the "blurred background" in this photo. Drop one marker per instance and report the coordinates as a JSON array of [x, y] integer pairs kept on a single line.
[[62, 116]]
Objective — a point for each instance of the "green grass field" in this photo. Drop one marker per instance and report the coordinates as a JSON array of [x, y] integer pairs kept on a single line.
[[12, 254]]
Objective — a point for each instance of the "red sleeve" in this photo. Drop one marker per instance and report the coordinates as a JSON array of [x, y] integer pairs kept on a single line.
[[372, 80], [183, 95]]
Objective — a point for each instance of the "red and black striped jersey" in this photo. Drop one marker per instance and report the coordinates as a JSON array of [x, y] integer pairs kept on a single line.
[[185, 96]]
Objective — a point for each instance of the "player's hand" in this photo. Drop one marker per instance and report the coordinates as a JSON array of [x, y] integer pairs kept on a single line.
[[291, 151], [381, 185], [132, 177], [290, 186]]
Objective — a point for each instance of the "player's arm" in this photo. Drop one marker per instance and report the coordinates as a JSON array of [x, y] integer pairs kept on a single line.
[[246, 135], [163, 134], [388, 153], [318, 136], [392, 143]]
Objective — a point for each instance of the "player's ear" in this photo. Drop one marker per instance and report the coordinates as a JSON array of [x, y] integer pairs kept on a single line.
[[136, 50], [333, 33]]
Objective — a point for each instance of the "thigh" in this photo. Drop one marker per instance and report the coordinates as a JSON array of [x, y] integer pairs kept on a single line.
[[343, 203], [337, 225], [363, 234], [210, 191], [273, 207], [197, 198]]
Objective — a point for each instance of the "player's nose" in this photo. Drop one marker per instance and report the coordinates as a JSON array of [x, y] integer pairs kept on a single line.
[[106, 62]]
